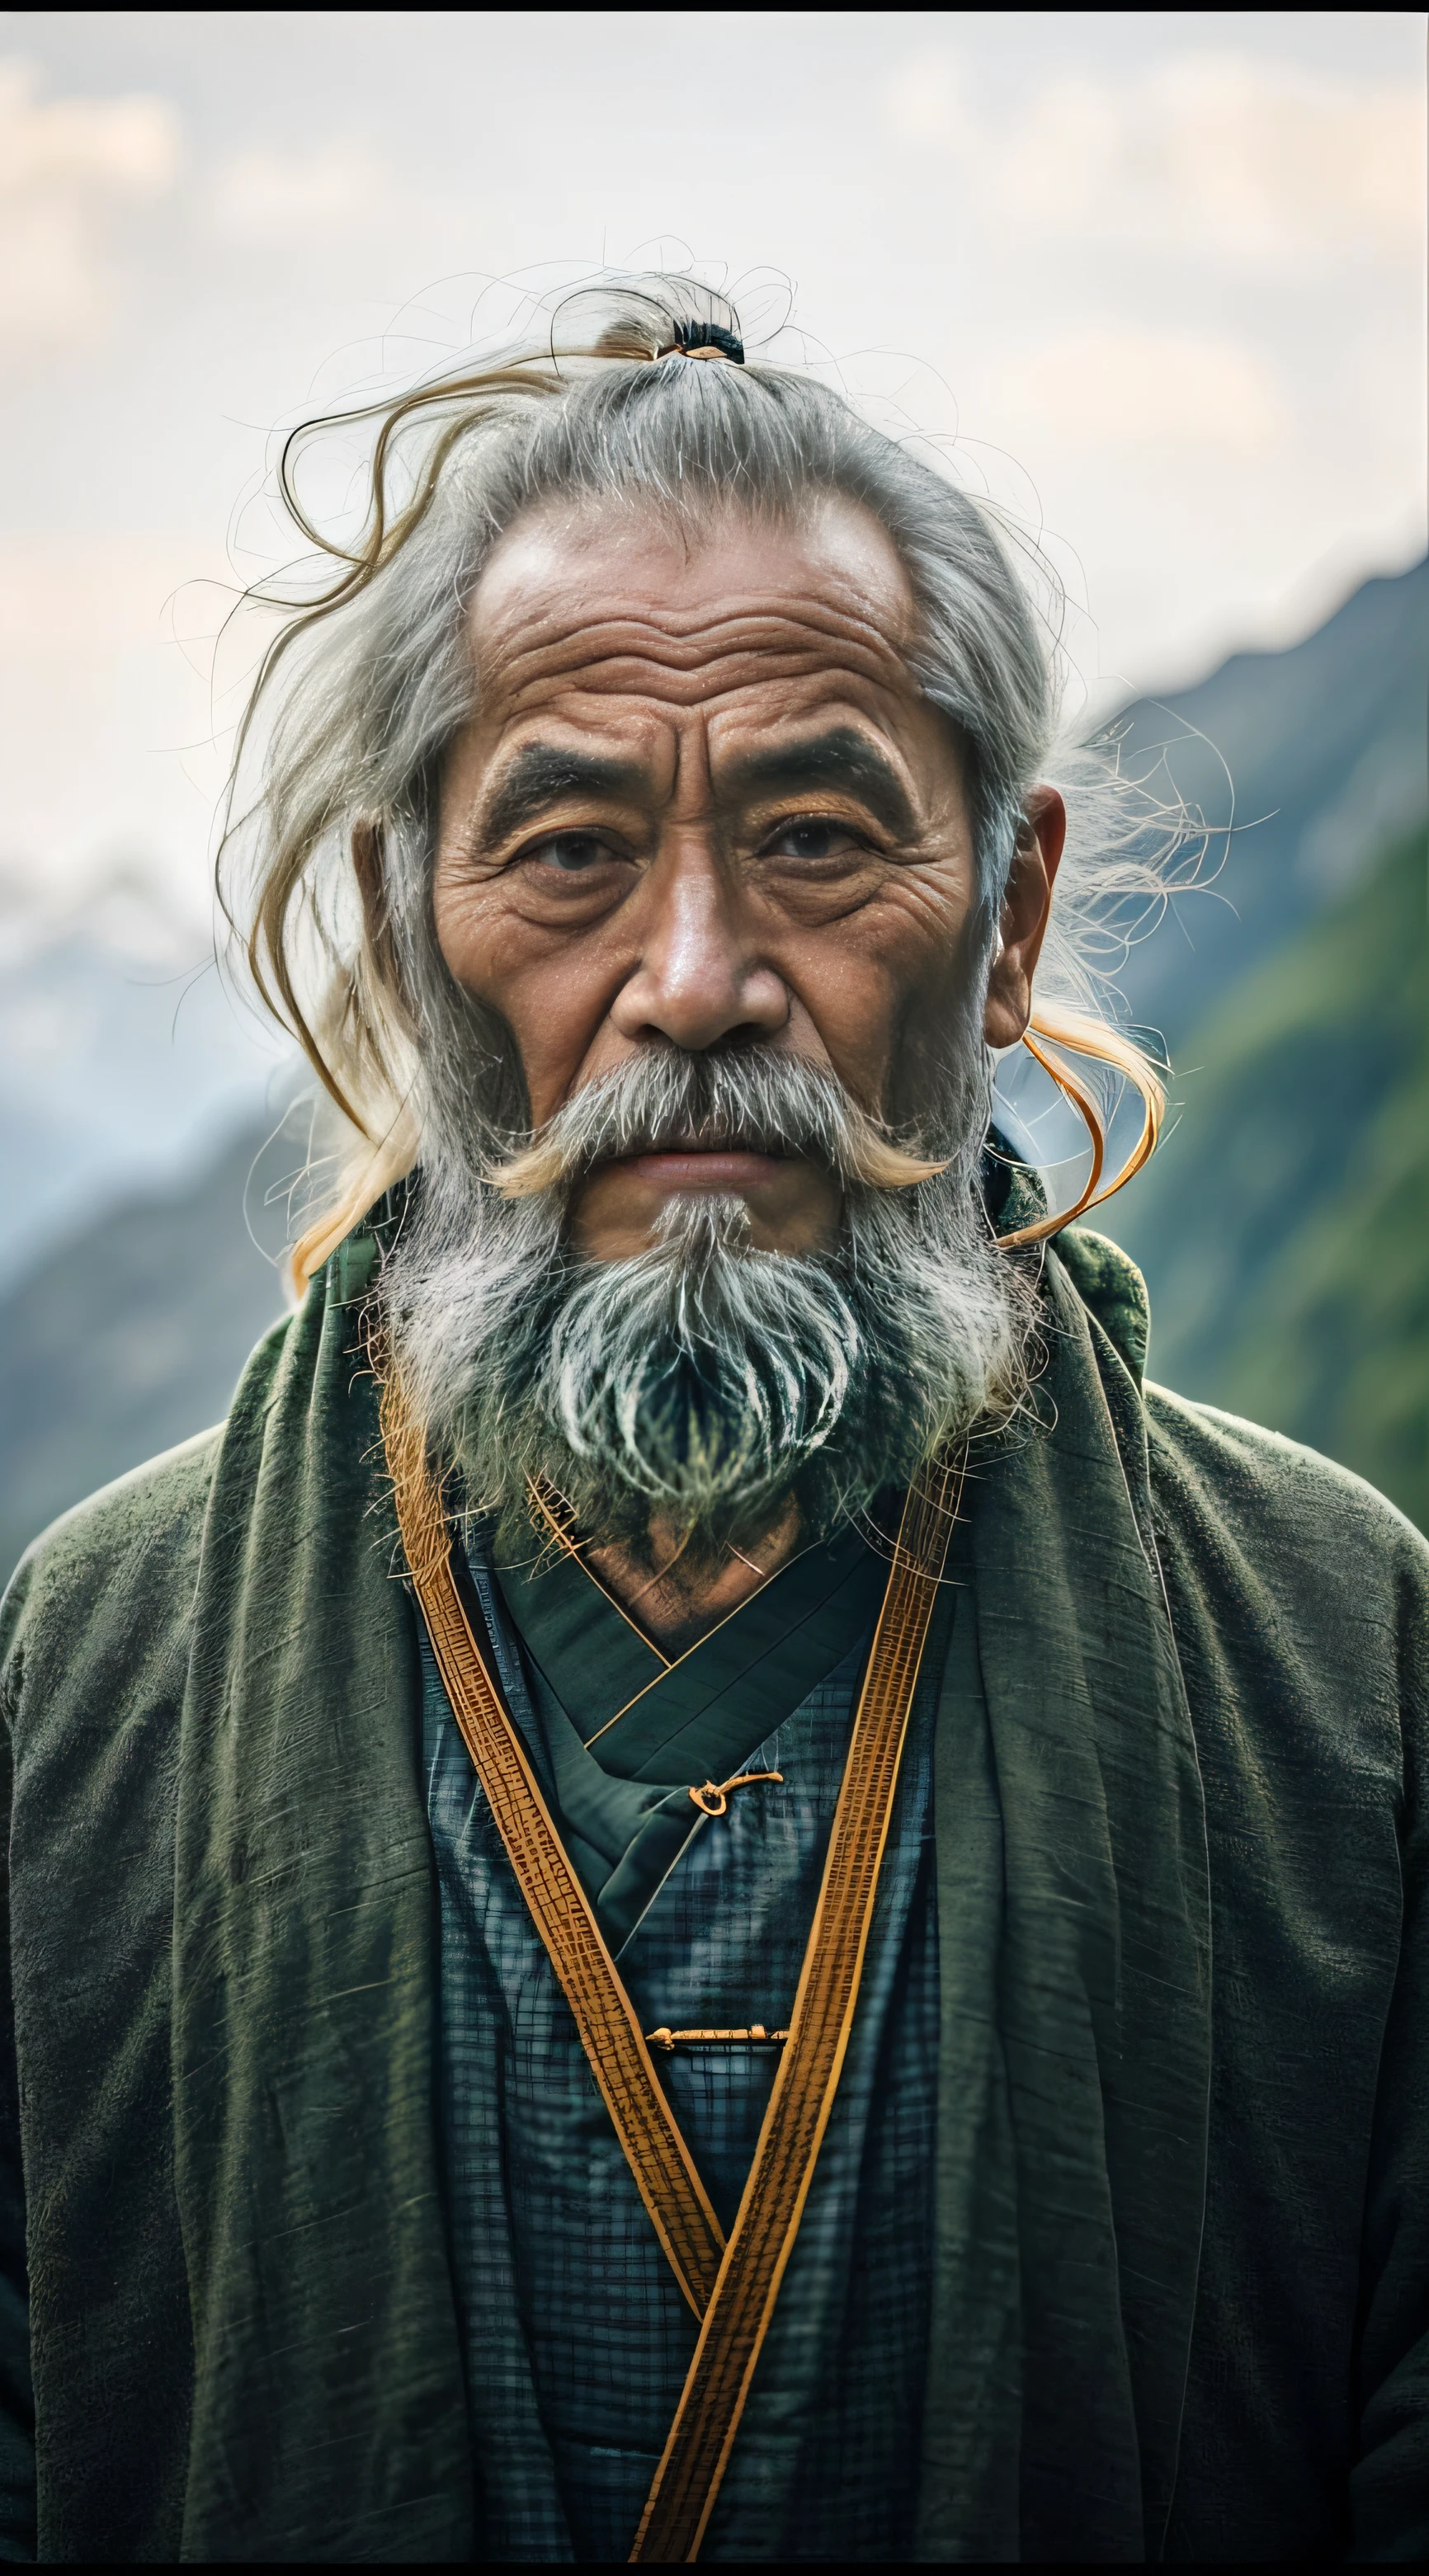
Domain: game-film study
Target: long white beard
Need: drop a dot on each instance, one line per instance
(704, 1380)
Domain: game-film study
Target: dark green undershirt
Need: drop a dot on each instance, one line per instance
(621, 1789)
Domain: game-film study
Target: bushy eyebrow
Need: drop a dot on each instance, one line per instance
(541, 774)
(839, 758)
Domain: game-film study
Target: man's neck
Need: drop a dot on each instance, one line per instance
(676, 1597)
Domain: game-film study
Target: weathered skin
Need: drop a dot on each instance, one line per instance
(692, 897)
(686, 891)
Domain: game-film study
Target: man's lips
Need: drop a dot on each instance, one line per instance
(688, 1167)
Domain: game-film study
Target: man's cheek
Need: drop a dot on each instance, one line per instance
(862, 988)
(487, 943)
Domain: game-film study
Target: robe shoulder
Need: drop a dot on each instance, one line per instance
(1307, 1524)
(1299, 1598)
(106, 1593)
(1278, 1504)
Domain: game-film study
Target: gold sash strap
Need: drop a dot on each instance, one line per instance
(610, 2034)
(707, 2419)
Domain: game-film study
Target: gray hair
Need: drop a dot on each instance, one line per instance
(364, 691)
(700, 1382)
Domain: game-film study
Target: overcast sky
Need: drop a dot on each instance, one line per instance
(1162, 272)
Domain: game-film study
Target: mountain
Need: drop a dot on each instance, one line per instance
(1305, 764)
(125, 1061)
(1284, 1225)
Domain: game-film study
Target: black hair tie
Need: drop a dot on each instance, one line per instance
(703, 340)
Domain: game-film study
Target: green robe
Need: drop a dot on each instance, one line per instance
(1182, 2274)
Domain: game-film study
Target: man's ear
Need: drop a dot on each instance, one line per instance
(1026, 908)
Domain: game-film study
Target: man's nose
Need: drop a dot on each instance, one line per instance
(700, 979)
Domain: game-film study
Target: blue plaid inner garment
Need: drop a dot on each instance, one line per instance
(577, 2340)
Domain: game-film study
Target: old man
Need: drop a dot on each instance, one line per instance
(706, 1887)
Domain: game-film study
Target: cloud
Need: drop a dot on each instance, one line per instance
(266, 195)
(922, 100)
(66, 166)
(1254, 161)
(1262, 164)
(1116, 386)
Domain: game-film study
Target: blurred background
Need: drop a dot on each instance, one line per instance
(1156, 280)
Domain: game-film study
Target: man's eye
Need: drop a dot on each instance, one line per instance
(570, 854)
(810, 838)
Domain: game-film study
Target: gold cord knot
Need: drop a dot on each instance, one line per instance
(712, 1797)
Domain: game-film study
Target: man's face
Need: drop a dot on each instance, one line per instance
(702, 805)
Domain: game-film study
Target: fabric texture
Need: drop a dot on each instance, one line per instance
(1178, 2293)
(578, 2340)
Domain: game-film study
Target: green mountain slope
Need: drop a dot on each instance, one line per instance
(1318, 755)
(1284, 1225)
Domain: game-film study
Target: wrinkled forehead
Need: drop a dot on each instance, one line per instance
(620, 602)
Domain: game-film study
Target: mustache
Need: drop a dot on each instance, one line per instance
(758, 1100)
